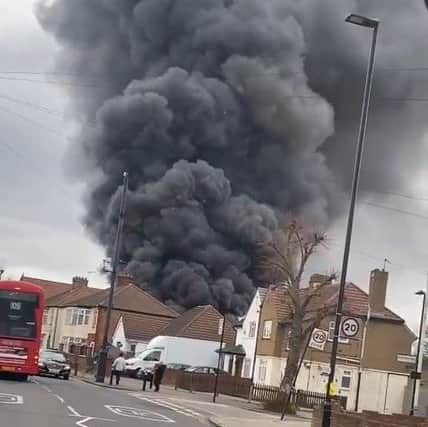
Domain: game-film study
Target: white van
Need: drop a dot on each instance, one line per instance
(175, 350)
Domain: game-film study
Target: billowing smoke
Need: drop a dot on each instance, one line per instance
(223, 114)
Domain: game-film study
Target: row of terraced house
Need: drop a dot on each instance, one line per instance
(76, 312)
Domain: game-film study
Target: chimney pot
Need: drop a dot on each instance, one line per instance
(78, 282)
(377, 290)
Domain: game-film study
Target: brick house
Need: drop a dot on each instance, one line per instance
(75, 313)
(375, 352)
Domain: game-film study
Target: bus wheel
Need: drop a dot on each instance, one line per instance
(23, 377)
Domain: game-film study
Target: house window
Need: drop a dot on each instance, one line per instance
(331, 334)
(267, 329)
(252, 329)
(346, 379)
(262, 371)
(133, 348)
(77, 316)
(246, 372)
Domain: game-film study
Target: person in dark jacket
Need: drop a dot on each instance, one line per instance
(147, 377)
(158, 375)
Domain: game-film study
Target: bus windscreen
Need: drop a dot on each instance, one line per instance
(18, 315)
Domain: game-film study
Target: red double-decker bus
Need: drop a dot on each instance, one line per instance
(21, 313)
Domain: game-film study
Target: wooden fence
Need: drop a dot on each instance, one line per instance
(302, 398)
(227, 384)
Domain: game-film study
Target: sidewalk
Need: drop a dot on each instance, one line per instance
(250, 422)
(228, 411)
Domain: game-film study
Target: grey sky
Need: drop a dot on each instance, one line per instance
(40, 208)
(40, 213)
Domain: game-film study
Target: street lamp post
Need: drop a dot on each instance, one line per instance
(419, 353)
(102, 356)
(374, 25)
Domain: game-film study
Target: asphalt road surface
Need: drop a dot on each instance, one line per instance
(48, 402)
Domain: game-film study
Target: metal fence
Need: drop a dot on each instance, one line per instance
(301, 398)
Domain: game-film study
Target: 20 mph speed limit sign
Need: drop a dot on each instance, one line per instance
(350, 327)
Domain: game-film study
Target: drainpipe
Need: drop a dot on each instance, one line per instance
(253, 368)
(360, 369)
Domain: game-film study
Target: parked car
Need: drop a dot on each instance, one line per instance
(54, 363)
(173, 350)
(177, 366)
(205, 370)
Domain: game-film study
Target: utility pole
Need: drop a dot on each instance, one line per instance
(419, 356)
(102, 357)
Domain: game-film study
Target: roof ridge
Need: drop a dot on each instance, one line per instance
(155, 299)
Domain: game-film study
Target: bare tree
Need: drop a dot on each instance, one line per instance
(283, 261)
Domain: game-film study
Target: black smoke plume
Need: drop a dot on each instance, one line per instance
(223, 114)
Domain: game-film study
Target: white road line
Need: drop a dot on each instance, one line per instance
(81, 423)
(11, 399)
(45, 387)
(59, 398)
(74, 413)
(191, 411)
(143, 414)
(175, 408)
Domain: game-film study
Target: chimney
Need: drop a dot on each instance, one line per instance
(124, 279)
(79, 282)
(318, 279)
(377, 290)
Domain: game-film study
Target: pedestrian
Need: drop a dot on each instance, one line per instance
(118, 368)
(158, 374)
(147, 377)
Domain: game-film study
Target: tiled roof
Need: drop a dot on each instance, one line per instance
(50, 287)
(201, 322)
(355, 303)
(143, 327)
(72, 296)
(130, 298)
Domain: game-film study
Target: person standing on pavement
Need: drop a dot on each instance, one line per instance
(158, 375)
(118, 368)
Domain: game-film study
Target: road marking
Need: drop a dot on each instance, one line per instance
(143, 414)
(191, 411)
(11, 399)
(81, 423)
(59, 398)
(174, 407)
(45, 387)
(74, 413)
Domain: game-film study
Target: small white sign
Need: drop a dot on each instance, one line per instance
(350, 327)
(318, 339)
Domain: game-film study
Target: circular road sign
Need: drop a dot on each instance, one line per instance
(319, 336)
(350, 327)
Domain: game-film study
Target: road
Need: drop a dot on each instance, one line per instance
(48, 402)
